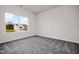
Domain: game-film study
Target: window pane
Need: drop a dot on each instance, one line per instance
(23, 20)
(23, 23)
(10, 20)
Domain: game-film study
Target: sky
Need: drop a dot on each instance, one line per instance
(16, 19)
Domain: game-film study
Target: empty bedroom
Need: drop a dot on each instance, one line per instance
(39, 29)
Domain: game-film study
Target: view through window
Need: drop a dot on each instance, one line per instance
(16, 23)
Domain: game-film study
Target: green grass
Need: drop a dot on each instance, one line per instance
(9, 30)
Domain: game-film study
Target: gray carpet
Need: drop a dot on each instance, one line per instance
(39, 45)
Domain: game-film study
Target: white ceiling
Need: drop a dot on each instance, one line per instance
(38, 8)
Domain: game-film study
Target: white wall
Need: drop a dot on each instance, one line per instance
(60, 23)
(4, 37)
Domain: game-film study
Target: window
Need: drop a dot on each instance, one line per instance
(16, 23)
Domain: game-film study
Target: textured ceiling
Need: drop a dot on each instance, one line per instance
(38, 8)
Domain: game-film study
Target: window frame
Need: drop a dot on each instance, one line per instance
(27, 24)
